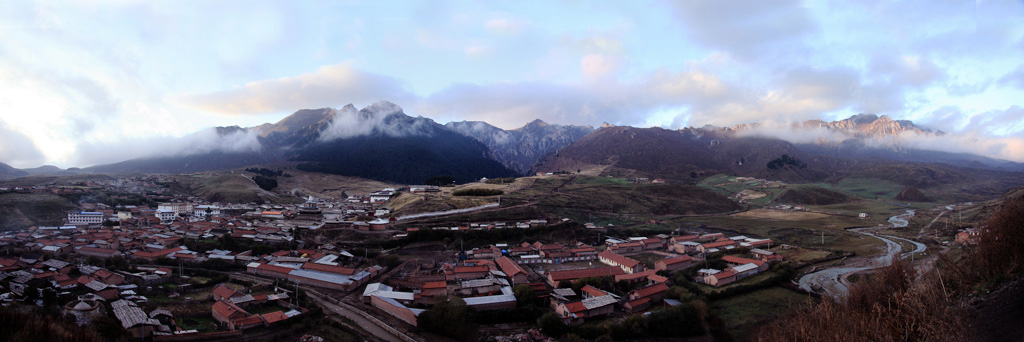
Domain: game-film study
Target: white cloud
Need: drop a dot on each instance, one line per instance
(328, 86)
(506, 26)
(18, 150)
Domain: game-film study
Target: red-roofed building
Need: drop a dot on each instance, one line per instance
(626, 264)
(97, 252)
(674, 264)
(704, 247)
(627, 248)
(434, 288)
(720, 279)
(736, 261)
(223, 292)
(634, 277)
(228, 314)
(556, 277)
(150, 256)
(589, 291)
(328, 268)
(274, 317)
(271, 271)
(516, 273)
(466, 272)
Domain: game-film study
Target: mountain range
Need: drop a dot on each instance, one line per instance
(381, 142)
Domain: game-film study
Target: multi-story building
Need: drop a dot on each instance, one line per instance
(85, 217)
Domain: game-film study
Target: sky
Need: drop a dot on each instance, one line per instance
(92, 82)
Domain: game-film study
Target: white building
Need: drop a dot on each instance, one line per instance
(85, 217)
(177, 208)
(165, 215)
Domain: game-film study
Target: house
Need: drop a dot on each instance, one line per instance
(394, 308)
(627, 248)
(554, 278)
(733, 260)
(233, 317)
(466, 272)
(505, 300)
(674, 264)
(652, 243)
(635, 277)
(516, 273)
(433, 289)
(626, 264)
(715, 277)
(712, 247)
(587, 308)
(222, 292)
(134, 319)
(645, 297)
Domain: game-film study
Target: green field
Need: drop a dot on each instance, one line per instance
(744, 313)
(202, 324)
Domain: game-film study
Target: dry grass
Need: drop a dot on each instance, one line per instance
(897, 305)
(781, 215)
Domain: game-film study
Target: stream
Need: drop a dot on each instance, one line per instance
(829, 281)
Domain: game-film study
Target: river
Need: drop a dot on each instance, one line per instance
(830, 282)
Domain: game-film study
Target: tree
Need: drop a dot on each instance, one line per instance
(449, 318)
(551, 324)
(525, 296)
(265, 183)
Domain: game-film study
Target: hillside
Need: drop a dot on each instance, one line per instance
(24, 210)
(228, 188)
(576, 194)
(812, 195)
(8, 172)
(911, 194)
(692, 154)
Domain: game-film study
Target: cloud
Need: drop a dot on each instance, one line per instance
(749, 29)
(506, 26)
(328, 86)
(374, 119)
(974, 136)
(218, 139)
(18, 150)
(597, 67)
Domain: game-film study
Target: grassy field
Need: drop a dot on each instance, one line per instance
(744, 313)
(202, 324)
(610, 195)
(229, 187)
(803, 230)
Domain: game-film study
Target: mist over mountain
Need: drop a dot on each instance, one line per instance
(689, 155)
(519, 149)
(381, 142)
(876, 137)
(378, 142)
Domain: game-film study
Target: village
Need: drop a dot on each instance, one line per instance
(245, 262)
(187, 269)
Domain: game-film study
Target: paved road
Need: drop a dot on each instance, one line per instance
(361, 321)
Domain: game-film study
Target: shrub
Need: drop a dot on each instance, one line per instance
(477, 192)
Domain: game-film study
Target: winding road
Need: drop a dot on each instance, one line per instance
(833, 281)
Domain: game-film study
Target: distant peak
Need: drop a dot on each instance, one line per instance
(606, 125)
(348, 107)
(863, 118)
(537, 122)
(384, 107)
